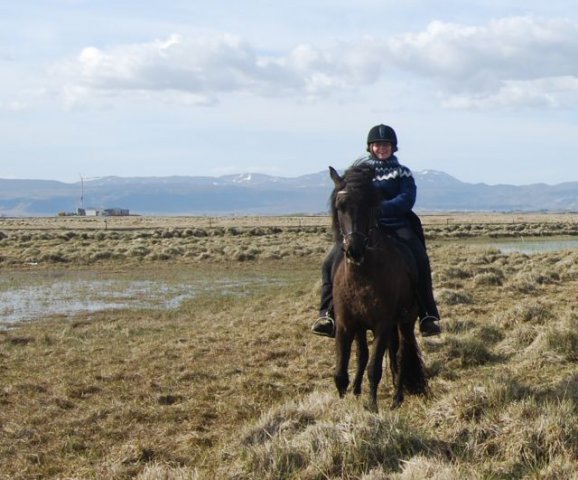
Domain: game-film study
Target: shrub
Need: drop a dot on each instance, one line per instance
(54, 257)
(454, 297)
(489, 279)
(455, 272)
(67, 235)
(563, 340)
(468, 350)
(533, 312)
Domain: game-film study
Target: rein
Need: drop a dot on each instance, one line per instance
(366, 240)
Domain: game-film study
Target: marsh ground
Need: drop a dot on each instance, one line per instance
(233, 385)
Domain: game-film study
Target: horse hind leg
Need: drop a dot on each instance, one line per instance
(362, 359)
(398, 396)
(396, 376)
(392, 353)
(412, 376)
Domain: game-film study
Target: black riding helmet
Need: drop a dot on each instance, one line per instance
(382, 133)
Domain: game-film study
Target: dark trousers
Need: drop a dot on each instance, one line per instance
(424, 289)
(327, 271)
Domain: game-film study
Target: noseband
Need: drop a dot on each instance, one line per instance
(350, 235)
(356, 216)
(364, 240)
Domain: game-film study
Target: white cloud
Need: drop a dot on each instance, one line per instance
(555, 92)
(202, 68)
(510, 62)
(507, 63)
(198, 67)
(13, 106)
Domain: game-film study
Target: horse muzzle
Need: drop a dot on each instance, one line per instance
(354, 260)
(354, 247)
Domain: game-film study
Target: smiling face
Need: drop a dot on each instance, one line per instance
(381, 150)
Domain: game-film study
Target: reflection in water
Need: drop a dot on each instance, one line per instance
(34, 295)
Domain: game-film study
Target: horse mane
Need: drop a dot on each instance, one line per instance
(357, 181)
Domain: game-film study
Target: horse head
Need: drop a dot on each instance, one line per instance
(353, 207)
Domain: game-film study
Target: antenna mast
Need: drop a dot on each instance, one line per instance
(81, 192)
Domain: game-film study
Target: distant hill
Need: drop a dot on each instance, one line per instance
(253, 193)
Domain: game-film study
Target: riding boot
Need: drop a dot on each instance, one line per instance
(325, 324)
(428, 311)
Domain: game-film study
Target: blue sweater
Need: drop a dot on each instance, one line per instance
(398, 190)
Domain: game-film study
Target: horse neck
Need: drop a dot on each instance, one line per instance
(382, 250)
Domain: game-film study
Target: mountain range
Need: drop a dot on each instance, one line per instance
(261, 194)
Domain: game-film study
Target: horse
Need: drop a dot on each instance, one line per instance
(373, 289)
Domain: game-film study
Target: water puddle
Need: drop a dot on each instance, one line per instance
(531, 245)
(26, 296)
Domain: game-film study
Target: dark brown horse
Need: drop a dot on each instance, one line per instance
(372, 290)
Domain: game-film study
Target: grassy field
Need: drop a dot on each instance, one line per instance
(78, 241)
(232, 385)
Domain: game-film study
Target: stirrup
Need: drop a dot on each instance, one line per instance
(324, 326)
(428, 326)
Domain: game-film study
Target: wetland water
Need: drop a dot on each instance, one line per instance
(530, 245)
(35, 294)
(32, 295)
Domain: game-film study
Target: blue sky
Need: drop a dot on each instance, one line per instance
(486, 91)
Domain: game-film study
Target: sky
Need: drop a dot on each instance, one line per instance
(483, 90)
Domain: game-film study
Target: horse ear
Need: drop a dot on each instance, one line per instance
(335, 176)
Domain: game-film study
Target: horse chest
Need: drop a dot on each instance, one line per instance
(359, 295)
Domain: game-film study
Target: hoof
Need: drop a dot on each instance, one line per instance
(371, 406)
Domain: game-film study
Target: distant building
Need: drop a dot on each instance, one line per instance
(103, 212)
(115, 212)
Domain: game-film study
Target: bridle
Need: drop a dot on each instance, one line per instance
(359, 238)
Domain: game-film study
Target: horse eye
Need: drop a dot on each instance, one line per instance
(342, 206)
(341, 201)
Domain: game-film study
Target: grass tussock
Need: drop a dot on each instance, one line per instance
(321, 437)
(234, 386)
(105, 240)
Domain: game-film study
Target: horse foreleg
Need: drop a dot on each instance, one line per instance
(375, 368)
(362, 358)
(343, 341)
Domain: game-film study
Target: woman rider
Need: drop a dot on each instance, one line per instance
(398, 189)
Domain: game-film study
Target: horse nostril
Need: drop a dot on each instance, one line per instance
(355, 256)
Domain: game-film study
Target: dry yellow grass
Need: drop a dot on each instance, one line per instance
(230, 386)
(137, 240)
(136, 223)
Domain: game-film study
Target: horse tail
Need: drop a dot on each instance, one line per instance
(412, 374)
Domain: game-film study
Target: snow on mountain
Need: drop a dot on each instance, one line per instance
(254, 193)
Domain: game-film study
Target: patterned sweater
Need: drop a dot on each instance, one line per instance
(397, 187)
